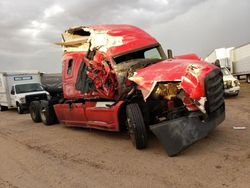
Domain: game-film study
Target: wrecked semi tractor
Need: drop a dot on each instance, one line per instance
(117, 77)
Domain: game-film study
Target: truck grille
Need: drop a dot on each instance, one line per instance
(35, 97)
(214, 91)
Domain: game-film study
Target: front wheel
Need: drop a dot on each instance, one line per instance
(136, 126)
(3, 108)
(47, 113)
(248, 79)
(20, 109)
(34, 110)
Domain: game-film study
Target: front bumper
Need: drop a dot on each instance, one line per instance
(232, 91)
(24, 105)
(176, 135)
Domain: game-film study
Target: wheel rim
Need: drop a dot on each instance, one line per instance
(18, 109)
(43, 114)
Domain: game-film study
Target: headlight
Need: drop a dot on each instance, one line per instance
(236, 82)
(48, 97)
(227, 84)
(22, 100)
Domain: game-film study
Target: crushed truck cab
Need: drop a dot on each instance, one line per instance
(117, 77)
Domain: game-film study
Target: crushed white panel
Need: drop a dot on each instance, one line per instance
(239, 128)
(99, 39)
(102, 41)
(201, 105)
(104, 104)
(81, 48)
(151, 90)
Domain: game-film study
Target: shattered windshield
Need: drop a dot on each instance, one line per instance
(25, 88)
(147, 53)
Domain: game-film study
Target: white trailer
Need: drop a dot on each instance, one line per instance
(17, 89)
(222, 54)
(240, 61)
(237, 59)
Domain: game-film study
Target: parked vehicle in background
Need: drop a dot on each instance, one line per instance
(52, 82)
(235, 59)
(231, 84)
(221, 54)
(18, 89)
(117, 77)
(240, 61)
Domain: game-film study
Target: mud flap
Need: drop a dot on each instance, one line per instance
(176, 135)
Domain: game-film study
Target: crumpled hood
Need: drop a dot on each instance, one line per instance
(190, 74)
(229, 78)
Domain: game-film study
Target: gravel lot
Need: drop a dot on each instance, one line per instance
(33, 155)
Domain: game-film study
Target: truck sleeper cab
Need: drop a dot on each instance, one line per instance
(117, 77)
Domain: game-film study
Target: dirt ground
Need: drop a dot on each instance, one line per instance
(33, 155)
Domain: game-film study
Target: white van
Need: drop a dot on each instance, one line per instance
(18, 89)
(231, 84)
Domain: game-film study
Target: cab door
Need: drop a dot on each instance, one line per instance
(70, 69)
(13, 97)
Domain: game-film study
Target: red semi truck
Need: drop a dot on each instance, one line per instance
(117, 77)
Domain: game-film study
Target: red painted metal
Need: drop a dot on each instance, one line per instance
(188, 70)
(133, 38)
(69, 79)
(191, 74)
(188, 56)
(89, 115)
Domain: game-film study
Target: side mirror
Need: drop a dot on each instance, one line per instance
(12, 92)
(217, 63)
(170, 54)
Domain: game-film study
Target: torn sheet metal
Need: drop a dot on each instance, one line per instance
(101, 40)
(189, 75)
(96, 39)
(167, 90)
(111, 39)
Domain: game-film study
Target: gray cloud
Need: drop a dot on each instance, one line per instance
(29, 28)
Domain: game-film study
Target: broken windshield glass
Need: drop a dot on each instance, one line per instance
(147, 53)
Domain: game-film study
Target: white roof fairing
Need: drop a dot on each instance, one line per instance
(98, 39)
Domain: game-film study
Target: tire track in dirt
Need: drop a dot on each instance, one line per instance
(4, 183)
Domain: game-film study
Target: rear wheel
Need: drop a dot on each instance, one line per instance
(47, 113)
(136, 126)
(248, 78)
(20, 109)
(34, 110)
(3, 108)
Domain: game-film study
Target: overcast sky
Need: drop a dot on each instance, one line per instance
(29, 28)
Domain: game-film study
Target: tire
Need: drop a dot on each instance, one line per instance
(34, 110)
(136, 126)
(47, 113)
(20, 109)
(248, 78)
(3, 108)
(236, 94)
